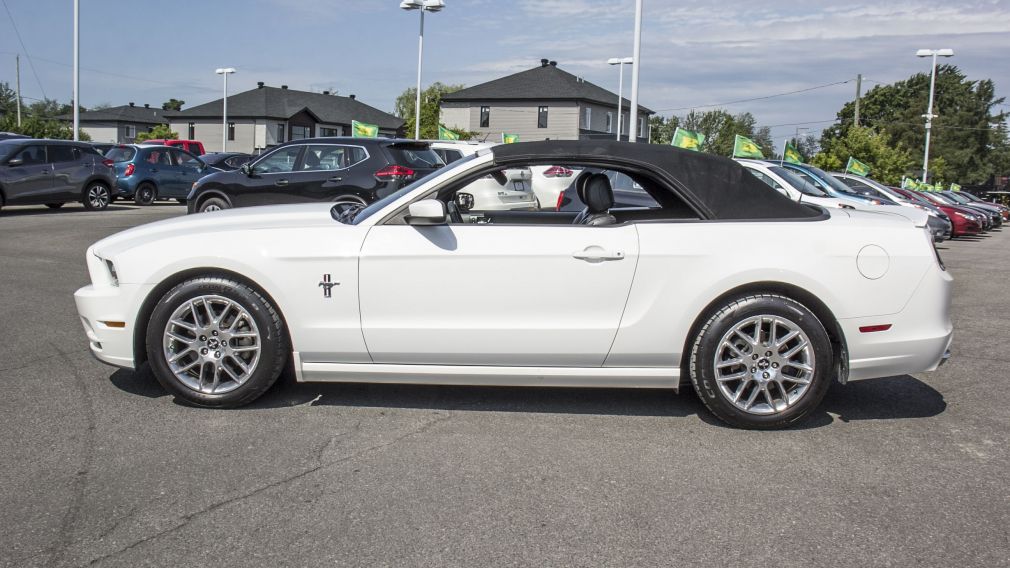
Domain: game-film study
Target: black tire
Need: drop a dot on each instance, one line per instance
(146, 194)
(214, 204)
(709, 342)
(97, 197)
(54, 205)
(274, 346)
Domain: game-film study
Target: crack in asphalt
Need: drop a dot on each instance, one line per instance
(320, 453)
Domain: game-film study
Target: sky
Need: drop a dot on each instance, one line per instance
(694, 54)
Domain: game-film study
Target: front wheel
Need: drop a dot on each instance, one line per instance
(762, 362)
(215, 342)
(145, 195)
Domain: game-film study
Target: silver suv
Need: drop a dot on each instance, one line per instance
(54, 172)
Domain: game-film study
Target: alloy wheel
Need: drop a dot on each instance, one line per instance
(98, 196)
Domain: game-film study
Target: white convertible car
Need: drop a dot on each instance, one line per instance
(756, 300)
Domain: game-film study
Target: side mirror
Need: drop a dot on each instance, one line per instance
(426, 212)
(15, 162)
(464, 201)
(246, 169)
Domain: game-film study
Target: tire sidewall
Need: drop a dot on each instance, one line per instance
(139, 198)
(273, 341)
(707, 345)
(214, 200)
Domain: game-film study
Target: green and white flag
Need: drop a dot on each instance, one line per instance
(955, 187)
(907, 183)
(687, 140)
(507, 138)
(446, 134)
(364, 130)
(856, 167)
(744, 147)
(791, 154)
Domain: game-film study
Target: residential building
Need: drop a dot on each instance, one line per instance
(267, 116)
(119, 125)
(545, 102)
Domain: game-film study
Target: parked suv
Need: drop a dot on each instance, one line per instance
(340, 170)
(54, 172)
(146, 173)
(194, 147)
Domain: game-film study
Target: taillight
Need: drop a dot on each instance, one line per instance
(108, 163)
(561, 197)
(130, 168)
(558, 171)
(394, 173)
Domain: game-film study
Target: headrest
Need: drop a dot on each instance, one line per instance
(599, 195)
(580, 185)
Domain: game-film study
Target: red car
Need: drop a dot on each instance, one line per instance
(194, 147)
(964, 222)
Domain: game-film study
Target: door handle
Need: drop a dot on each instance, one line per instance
(335, 178)
(154, 170)
(281, 182)
(597, 254)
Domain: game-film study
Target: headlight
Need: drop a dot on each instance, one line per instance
(111, 267)
(963, 216)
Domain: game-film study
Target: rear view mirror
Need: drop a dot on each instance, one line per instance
(15, 162)
(426, 212)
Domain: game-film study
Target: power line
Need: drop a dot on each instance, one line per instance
(808, 89)
(25, 49)
(131, 77)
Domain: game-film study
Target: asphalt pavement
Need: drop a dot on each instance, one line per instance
(100, 467)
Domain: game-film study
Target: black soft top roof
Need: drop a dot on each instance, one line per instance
(717, 187)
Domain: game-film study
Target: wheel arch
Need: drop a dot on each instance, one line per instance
(149, 303)
(207, 194)
(839, 348)
(99, 179)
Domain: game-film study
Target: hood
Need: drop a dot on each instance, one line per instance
(246, 218)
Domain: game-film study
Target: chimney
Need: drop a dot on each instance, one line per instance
(284, 86)
(259, 84)
(326, 92)
(131, 104)
(147, 105)
(544, 62)
(352, 97)
(554, 63)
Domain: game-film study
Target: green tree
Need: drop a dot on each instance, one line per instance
(39, 127)
(431, 100)
(888, 161)
(172, 104)
(662, 129)
(721, 128)
(159, 132)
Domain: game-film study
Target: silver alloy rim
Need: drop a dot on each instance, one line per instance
(212, 344)
(98, 196)
(764, 364)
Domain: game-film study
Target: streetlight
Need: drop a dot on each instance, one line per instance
(934, 53)
(637, 54)
(224, 111)
(423, 6)
(620, 89)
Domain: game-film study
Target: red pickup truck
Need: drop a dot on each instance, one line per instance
(194, 147)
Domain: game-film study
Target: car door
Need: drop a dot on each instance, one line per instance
(487, 294)
(29, 177)
(69, 171)
(270, 179)
(327, 173)
(188, 169)
(161, 168)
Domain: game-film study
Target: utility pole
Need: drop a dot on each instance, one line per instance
(17, 72)
(859, 93)
(77, 70)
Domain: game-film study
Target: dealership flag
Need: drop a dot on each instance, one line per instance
(363, 130)
(955, 187)
(907, 183)
(687, 140)
(856, 167)
(446, 134)
(791, 154)
(507, 138)
(744, 147)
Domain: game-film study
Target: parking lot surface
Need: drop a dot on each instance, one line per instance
(101, 467)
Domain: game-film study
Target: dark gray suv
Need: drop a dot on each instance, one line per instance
(54, 172)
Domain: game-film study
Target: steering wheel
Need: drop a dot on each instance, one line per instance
(453, 211)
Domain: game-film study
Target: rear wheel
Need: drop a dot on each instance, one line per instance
(146, 194)
(762, 362)
(54, 205)
(214, 204)
(96, 197)
(216, 342)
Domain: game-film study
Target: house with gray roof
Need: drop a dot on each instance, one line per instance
(267, 116)
(119, 125)
(545, 102)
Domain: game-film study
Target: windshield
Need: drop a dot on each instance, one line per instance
(417, 157)
(121, 153)
(7, 149)
(834, 183)
(798, 182)
(367, 212)
(957, 198)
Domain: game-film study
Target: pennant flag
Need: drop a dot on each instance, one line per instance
(907, 183)
(363, 130)
(955, 187)
(687, 140)
(446, 134)
(791, 154)
(744, 147)
(509, 138)
(856, 167)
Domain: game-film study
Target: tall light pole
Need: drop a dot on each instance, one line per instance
(620, 89)
(637, 55)
(423, 6)
(224, 107)
(77, 69)
(934, 53)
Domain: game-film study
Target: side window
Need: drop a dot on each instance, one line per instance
(236, 161)
(186, 160)
(542, 117)
(769, 181)
(331, 157)
(59, 153)
(32, 155)
(281, 161)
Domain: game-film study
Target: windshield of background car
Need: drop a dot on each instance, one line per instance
(121, 154)
(6, 150)
(420, 157)
(834, 183)
(379, 205)
(801, 184)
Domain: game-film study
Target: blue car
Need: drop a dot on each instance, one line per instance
(829, 184)
(146, 173)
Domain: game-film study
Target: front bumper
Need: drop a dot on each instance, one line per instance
(99, 309)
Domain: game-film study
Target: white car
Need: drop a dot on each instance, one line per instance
(758, 301)
(550, 181)
(509, 189)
